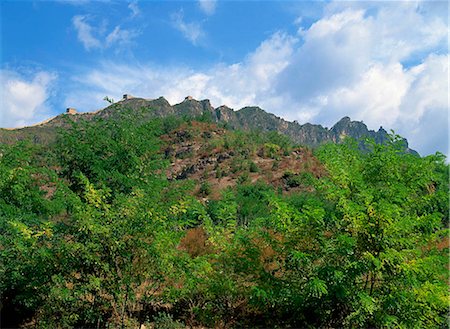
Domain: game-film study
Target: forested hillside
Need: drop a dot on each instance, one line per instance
(177, 222)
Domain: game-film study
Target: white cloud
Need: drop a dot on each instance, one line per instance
(335, 51)
(191, 31)
(208, 6)
(413, 102)
(134, 8)
(424, 108)
(342, 46)
(399, 29)
(375, 97)
(85, 33)
(352, 62)
(96, 37)
(119, 36)
(24, 99)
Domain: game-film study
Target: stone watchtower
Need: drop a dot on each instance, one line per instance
(71, 110)
(127, 97)
(188, 98)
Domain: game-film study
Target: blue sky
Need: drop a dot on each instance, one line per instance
(384, 63)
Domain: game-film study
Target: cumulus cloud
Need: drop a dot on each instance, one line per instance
(424, 108)
(95, 37)
(341, 47)
(24, 99)
(334, 52)
(400, 29)
(208, 6)
(356, 61)
(191, 31)
(411, 101)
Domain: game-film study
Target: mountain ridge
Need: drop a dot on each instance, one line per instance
(246, 118)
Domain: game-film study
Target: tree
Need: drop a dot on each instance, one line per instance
(386, 203)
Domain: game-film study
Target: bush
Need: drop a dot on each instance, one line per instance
(244, 178)
(205, 188)
(295, 180)
(166, 321)
(271, 150)
(253, 167)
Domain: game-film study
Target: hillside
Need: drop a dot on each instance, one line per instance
(147, 215)
(247, 118)
(216, 159)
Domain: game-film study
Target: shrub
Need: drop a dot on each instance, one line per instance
(244, 178)
(271, 150)
(166, 321)
(294, 180)
(205, 189)
(253, 167)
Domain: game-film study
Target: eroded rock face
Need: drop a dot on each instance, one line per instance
(223, 156)
(187, 171)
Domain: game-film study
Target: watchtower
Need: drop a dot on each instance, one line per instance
(71, 110)
(127, 97)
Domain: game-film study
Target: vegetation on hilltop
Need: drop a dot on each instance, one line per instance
(118, 224)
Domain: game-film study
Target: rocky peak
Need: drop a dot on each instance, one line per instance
(194, 108)
(346, 127)
(247, 118)
(207, 104)
(226, 115)
(381, 130)
(160, 101)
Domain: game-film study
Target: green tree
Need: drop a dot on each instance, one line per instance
(387, 205)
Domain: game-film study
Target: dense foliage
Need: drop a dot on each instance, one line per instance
(94, 235)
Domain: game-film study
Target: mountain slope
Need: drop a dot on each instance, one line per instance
(247, 118)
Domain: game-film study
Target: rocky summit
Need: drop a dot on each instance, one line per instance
(248, 118)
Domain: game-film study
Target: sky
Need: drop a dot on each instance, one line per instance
(383, 63)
